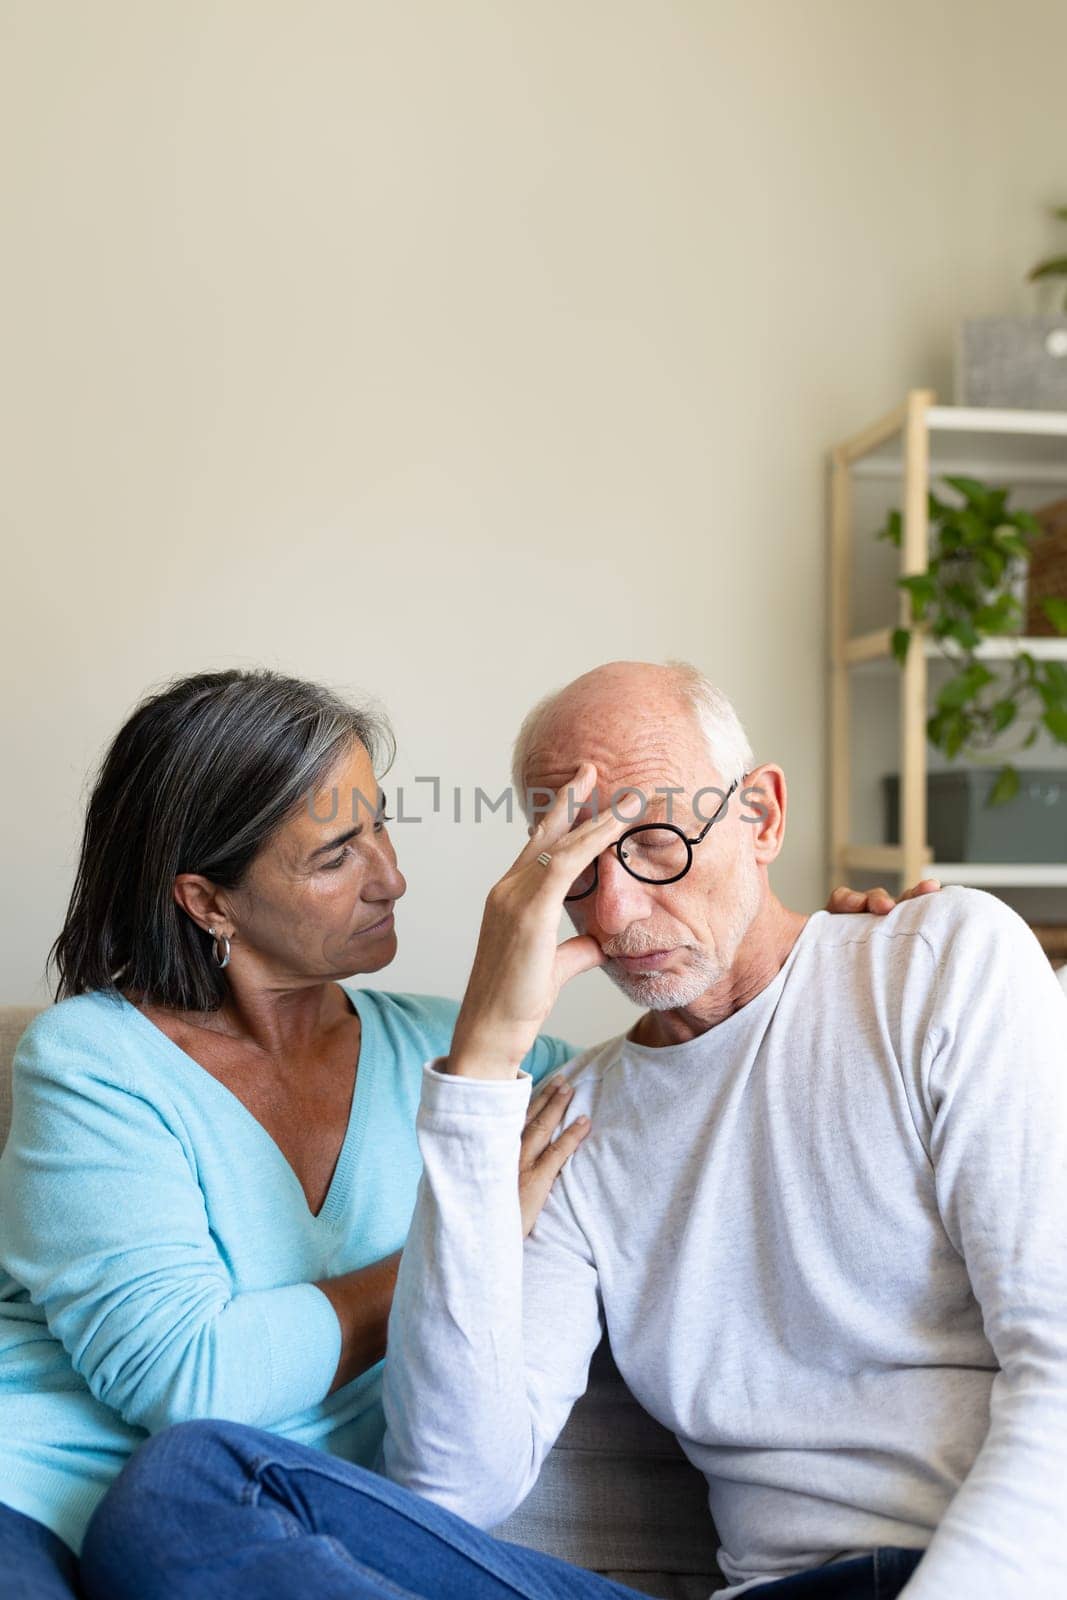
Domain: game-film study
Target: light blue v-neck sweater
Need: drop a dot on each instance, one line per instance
(157, 1254)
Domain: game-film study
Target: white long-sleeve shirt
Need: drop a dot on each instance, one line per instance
(828, 1239)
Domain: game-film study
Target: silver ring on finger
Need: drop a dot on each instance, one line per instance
(545, 859)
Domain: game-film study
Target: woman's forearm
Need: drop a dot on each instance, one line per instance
(362, 1300)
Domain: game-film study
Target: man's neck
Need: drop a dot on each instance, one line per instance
(760, 957)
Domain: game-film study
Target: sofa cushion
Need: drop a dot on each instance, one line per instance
(617, 1494)
(14, 1020)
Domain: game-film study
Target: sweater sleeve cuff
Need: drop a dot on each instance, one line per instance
(448, 1094)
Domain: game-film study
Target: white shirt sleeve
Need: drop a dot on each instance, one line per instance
(489, 1345)
(996, 1092)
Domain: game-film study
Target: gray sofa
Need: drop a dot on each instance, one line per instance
(616, 1494)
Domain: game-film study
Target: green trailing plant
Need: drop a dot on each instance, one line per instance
(963, 598)
(1053, 266)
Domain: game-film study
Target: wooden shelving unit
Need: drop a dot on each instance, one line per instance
(916, 443)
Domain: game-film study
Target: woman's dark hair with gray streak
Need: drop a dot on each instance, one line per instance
(197, 780)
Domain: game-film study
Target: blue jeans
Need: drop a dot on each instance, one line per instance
(879, 1576)
(218, 1511)
(34, 1563)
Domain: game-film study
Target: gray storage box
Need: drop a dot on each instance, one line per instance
(1018, 363)
(960, 825)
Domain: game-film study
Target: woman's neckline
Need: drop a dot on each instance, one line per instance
(334, 1199)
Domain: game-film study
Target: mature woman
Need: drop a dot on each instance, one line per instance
(212, 1162)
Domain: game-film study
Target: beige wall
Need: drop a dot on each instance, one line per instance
(441, 349)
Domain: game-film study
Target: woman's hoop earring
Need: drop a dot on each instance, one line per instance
(225, 950)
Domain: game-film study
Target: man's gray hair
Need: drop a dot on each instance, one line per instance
(723, 733)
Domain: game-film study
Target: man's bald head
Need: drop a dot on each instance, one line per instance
(634, 713)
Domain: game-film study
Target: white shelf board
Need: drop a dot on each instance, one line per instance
(1015, 447)
(977, 874)
(988, 419)
(1000, 874)
(1006, 646)
(877, 650)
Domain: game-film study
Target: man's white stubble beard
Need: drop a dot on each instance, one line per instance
(666, 991)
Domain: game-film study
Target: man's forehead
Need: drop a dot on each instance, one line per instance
(656, 761)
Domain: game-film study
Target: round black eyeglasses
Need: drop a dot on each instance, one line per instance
(653, 852)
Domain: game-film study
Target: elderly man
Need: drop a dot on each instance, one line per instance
(820, 1201)
(819, 1204)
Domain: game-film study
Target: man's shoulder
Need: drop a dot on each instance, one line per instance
(956, 915)
(944, 949)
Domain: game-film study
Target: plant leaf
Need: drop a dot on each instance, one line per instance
(1054, 267)
(973, 526)
(992, 563)
(1055, 720)
(1056, 612)
(893, 529)
(954, 694)
(962, 631)
(947, 729)
(922, 589)
(997, 619)
(1005, 788)
(901, 640)
(963, 595)
(975, 493)
(956, 729)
